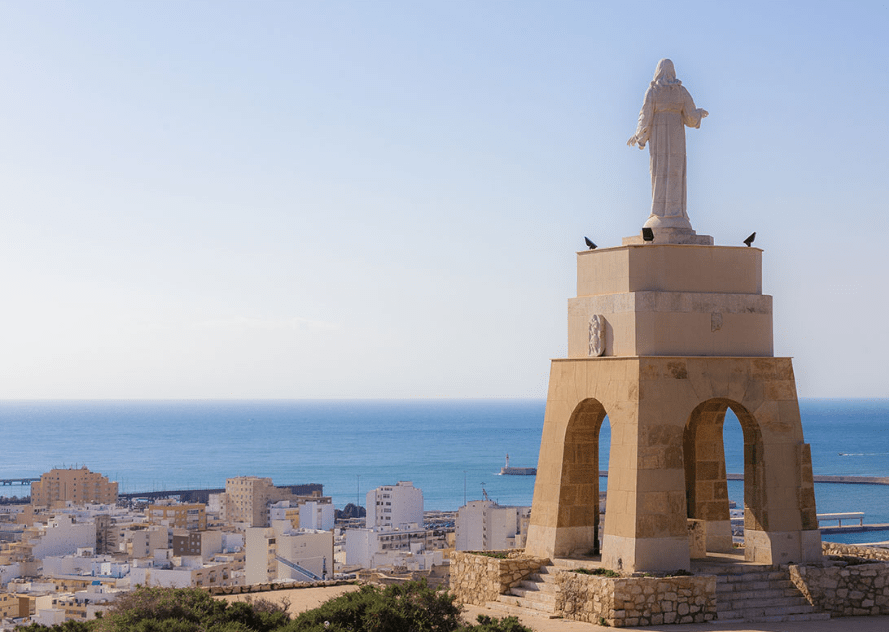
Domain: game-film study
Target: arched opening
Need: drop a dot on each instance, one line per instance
(604, 454)
(580, 500)
(706, 484)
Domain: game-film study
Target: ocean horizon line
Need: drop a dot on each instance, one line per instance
(343, 398)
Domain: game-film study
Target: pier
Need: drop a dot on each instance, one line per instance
(203, 495)
(17, 481)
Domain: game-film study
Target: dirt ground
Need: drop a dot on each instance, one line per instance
(301, 599)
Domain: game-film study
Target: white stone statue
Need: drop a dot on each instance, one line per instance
(667, 109)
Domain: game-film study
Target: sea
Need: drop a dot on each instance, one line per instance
(451, 449)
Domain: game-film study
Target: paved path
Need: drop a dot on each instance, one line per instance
(844, 624)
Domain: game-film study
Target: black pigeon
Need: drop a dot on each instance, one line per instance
(591, 245)
(647, 234)
(750, 239)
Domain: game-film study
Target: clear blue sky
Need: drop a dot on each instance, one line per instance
(383, 199)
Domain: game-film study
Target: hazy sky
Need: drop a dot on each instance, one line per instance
(384, 199)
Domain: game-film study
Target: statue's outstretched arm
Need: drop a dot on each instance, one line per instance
(691, 115)
(643, 128)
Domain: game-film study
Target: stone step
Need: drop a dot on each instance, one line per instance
(814, 616)
(789, 602)
(771, 583)
(534, 595)
(547, 587)
(528, 604)
(543, 578)
(750, 613)
(516, 611)
(745, 592)
(758, 596)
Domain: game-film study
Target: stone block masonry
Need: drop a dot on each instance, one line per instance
(854, 583)
(617, 601)
(477, 578)
(636, 601)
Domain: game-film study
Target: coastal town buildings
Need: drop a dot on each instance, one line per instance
(315, 513)
(78, 486)
(63, 559)
(283, 553)
(409, 545)
(394, 505)
(180, 516)
(248, 499)
(483, 525)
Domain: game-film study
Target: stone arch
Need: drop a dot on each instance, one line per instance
(579, 493)
(705, 474)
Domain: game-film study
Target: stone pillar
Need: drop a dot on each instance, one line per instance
(705, 477)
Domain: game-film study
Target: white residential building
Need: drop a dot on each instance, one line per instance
(63, 536)
(483, 525)
(280, 552)
(93, 565)
(304, 514)
(384, 546)
(394, 505)
(182, 572)
(143, 542)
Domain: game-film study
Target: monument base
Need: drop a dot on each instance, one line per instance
(666, 235)
(566, 541)
(719, 536)
(782, 547)
(659, 554)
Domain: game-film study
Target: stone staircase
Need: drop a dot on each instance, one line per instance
(763, 594)
(535, 595)
(743, 593)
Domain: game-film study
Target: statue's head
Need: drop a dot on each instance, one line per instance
(665, 74)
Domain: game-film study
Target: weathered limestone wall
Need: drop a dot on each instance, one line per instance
(636, 601)
(618, 601)
(864, 552)
(477, 578)
(857, 585)
(844, 589)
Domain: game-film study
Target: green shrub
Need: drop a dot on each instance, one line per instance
(487, 624)
(187, 610)
(604, 572)
(410, 606)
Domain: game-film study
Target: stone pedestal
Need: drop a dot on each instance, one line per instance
(687, 336)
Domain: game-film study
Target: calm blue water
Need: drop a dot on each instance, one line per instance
(443, 446)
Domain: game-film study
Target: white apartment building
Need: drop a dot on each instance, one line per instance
(483, 525)
(63, 536)
(182, 572)
(384, 546)
(304, 514)
(280, 552)
(143, 542)
(394, 505)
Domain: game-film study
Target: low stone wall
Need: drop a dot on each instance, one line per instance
(636, 601)
(854, 583)
(266, 587)
(854, 550)
(845, 589)
(477, 578)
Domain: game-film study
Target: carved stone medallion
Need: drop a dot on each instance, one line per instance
(597, 335)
